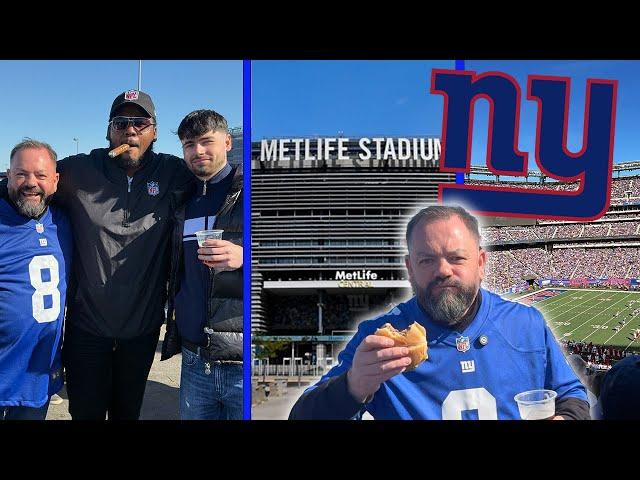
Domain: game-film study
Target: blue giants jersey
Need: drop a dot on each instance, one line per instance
(462, 378)
(35, 257)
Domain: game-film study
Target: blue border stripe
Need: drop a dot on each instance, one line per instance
(459, 66)
(246, 240)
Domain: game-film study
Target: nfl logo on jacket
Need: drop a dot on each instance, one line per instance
(153, 188)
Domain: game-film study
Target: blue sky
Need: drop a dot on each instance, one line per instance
(57, 101)
(362, 98)
(359, 98)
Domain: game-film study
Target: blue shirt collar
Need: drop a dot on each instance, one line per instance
(221, 175)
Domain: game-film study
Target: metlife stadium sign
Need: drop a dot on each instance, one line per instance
(343, 149)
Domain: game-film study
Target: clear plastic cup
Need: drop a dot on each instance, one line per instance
(203, 235)
(536, 404)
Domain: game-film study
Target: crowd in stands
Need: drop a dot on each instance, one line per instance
(597, 356)
(628, 226)
(508, 268)
(623, 190)
(611, 248)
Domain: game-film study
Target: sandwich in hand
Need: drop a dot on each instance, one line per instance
(414, 337)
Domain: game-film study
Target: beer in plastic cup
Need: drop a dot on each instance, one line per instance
(203, 235)
(536, 404)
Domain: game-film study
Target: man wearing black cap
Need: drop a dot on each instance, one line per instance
(120, 211)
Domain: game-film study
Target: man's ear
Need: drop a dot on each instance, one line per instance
(407, 263)
(482, 262)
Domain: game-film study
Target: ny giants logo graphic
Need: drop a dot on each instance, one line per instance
(468, 366)
(591, 166)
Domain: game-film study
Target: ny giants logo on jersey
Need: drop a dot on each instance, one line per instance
(590, 167)
(131, 95)
(153, 188)
(468, 366)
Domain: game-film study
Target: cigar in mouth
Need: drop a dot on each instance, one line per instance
(119, 150)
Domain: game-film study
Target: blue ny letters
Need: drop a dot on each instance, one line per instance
(591, 166)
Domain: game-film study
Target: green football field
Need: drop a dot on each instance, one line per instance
(590, 316)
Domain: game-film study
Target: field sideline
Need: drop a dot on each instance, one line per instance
(589, 315)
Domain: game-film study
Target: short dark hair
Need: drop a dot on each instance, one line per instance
(443, 212)
(200, 122)
(31, 143)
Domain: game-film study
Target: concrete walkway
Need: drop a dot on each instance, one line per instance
(277, 408)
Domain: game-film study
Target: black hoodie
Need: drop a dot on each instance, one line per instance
(121, 240)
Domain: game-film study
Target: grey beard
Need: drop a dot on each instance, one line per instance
(451, 306)
(29, 209)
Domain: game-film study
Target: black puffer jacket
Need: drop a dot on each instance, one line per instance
(225, 299)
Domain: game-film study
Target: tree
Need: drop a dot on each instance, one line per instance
(270, 349)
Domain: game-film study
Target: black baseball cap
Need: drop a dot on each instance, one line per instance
(136, 97)
(620, 391)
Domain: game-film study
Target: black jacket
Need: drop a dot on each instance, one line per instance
(121, 240)
(225, 288)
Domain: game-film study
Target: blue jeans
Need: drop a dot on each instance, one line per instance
(24, 413)
(217, 396)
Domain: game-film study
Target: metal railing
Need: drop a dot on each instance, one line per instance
(289, 370)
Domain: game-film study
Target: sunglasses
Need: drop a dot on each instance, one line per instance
(122, 123)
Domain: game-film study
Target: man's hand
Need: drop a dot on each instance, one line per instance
(221, 255)
(376, 360)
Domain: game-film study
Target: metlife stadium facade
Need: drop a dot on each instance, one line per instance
(328, 222)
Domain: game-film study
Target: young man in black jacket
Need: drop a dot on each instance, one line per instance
(205, 285)
(120, 211)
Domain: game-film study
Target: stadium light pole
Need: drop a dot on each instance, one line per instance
(77, 145)
(139, 75)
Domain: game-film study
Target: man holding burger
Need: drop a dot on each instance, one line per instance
(482, 350)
